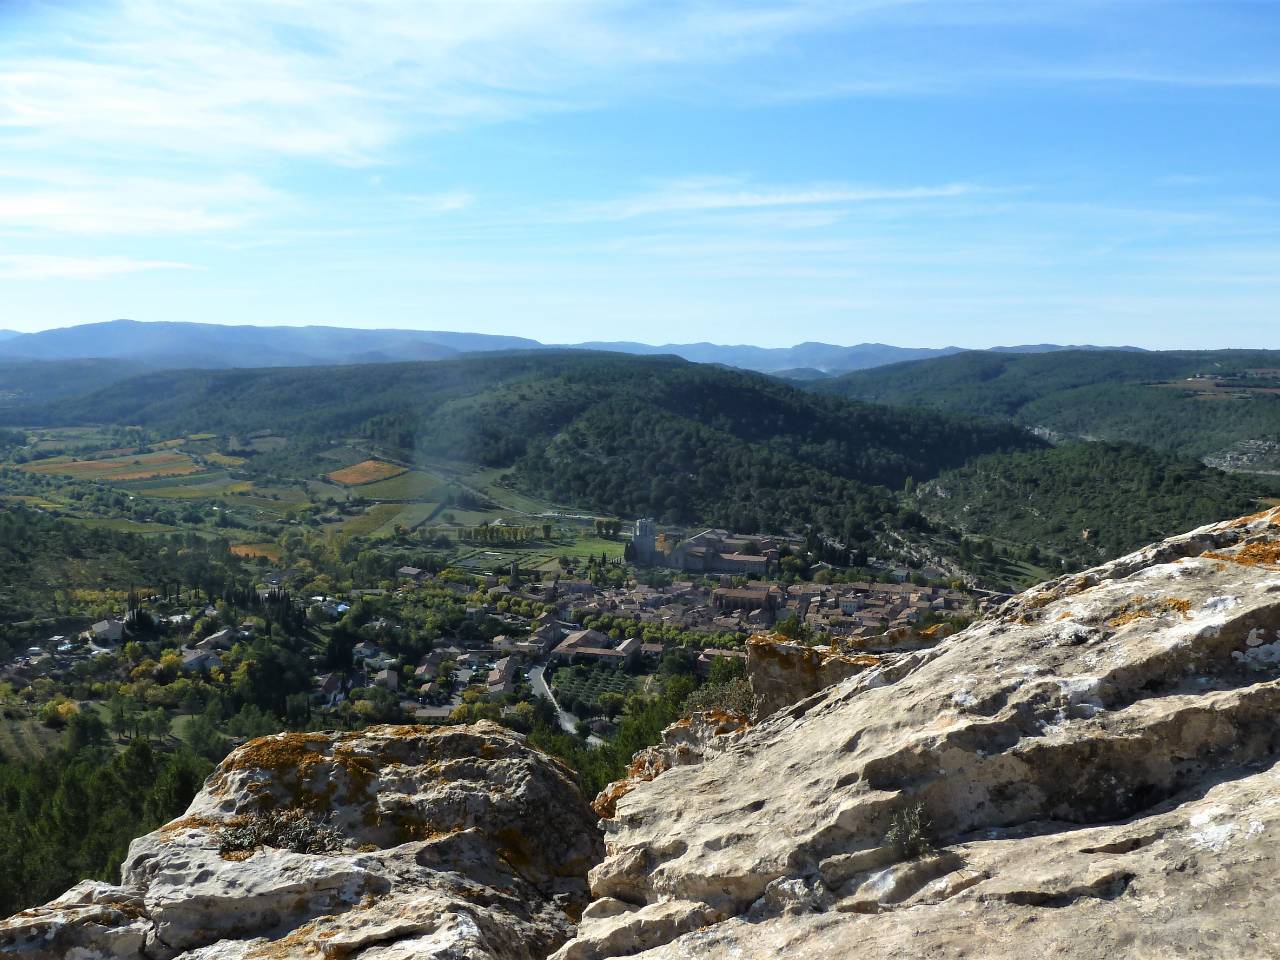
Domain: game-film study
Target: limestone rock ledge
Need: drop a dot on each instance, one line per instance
(1100, 761)
(449, 842)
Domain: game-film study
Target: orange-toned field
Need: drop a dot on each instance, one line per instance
(269, 550)
(367, 471)
(141, 467)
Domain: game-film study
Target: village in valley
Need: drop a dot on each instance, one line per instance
(572, 643)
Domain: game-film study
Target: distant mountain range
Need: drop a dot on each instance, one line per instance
(804, 359)
(212, 346)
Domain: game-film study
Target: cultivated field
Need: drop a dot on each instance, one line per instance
(144, 466)
(410, 485)
(587, 685)
(367, 471)
(271, 551)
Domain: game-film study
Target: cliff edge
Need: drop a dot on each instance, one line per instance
(1090, 772)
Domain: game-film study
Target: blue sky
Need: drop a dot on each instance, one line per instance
(919, 173)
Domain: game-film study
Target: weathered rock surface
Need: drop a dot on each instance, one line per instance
(1100, 760)
(449, 842)
(783, 672)
(687, 741)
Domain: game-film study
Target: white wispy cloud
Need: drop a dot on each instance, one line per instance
(31, 266)
(344, 82)
(699, 196)
(75, 203)
(439, 202)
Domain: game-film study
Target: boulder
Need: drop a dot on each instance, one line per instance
(1089, 772)
(393, 842)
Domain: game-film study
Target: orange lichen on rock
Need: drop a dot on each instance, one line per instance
(1144, 608)
(281, 753)
(1259, 554)
(1271, 515)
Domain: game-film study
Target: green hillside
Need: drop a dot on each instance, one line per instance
(1196, 403)
(618, 434)
(1085, 502)
(41, 555)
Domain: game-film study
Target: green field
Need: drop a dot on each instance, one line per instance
(368, 523)
(122, 525)
(486, 482)
(407, 515)
(212, 483)
(25, 739)
(537, 554)
(413, 485)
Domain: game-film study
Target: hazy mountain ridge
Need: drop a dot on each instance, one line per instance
(177, 345)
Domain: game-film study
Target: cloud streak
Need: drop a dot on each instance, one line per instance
(105, 206)
(31, 266)
(711, 196)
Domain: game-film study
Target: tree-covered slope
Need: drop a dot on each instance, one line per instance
(24, 382)
(1196, 403)
(1085, 502)
(625, 434)
(43, 557)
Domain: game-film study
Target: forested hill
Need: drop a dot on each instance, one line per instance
(1085, 502)
(1197, 403)
(43, 558)
(626, 434)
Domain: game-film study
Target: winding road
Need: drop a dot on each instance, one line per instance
(568, 721)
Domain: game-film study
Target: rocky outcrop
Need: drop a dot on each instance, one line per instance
(687, 741)
(390, 843)
(784, 671)
(1092, 771)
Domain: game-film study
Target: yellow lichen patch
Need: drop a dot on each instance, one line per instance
(1271, 515)
(1145, 608)
(282, 753)
(513, 847)
(299, 943)
(1260, 554)
(409, 828)
(1065, 615)
(1042, 599)
(197, 821)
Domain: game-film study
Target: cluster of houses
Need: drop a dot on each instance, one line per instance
(853, 610)
(859, 610)
(592, 645)
(710, 551)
